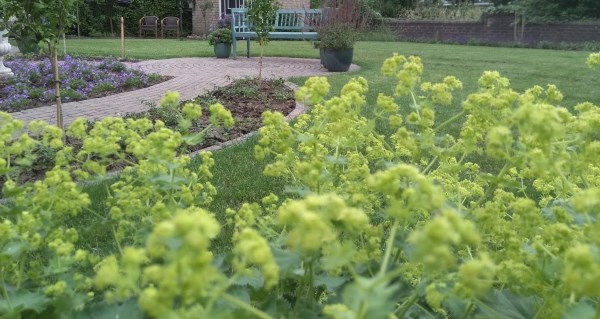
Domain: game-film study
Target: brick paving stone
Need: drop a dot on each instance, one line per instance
(192, 77)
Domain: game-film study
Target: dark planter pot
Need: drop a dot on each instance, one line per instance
(321, 55)
(222, 50)
(337, 60)
(123, 3)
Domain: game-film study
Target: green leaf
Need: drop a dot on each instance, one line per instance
(240, 293)
(297, 190)
(307, 309)
(68, 304)
(508, 305)
(340, 256)
(14, 249)
(193, 139)
(255, 279)
(274, 305)
(287, 261)
(581, 310)
(371, 295)
(549, 214)
(184, 124)
(330, 282)
(24, 300)
(339, 160)
(128, 309)
(25, 161)
(455, 306)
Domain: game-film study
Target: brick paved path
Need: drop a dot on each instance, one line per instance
(193, 76)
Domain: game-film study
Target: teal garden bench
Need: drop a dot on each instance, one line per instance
(289, 24)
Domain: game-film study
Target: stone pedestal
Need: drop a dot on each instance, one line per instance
(4, 50)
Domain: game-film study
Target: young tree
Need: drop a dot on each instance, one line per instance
(262, 17)
(204, 6)
(46, 21)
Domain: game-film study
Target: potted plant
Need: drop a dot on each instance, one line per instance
(337, 43)
(338, 31)
(221, 39)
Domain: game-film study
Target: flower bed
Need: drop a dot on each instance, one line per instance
(243, 99)
(33, 84)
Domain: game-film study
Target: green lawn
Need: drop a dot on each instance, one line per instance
(238, 176)
(524, 67)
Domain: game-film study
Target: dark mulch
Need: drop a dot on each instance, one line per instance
(244, 99)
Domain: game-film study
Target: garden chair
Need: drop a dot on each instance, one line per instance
(169, 24)
(149, 23)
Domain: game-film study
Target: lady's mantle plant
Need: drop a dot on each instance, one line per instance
(499, 221)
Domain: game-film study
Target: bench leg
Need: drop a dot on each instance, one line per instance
(234, 45)
(248, 48)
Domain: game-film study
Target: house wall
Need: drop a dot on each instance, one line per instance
(198, 22)
(497, 28)
(212, 15)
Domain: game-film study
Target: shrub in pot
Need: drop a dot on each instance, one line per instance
(221, 39)
(338, 31)
(337, 43)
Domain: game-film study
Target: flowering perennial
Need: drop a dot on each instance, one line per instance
(33, 83)
(500, 221)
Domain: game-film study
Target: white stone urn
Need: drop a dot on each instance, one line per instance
(4, 50)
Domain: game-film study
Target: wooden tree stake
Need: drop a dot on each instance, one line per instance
(59, 114)
(122, 37)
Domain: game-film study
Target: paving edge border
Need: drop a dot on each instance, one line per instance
(299, 109)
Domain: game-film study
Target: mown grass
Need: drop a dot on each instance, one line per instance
(238, 176)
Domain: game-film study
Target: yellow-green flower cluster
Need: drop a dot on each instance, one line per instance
(410, 194)
(593, 60)
(313, 91)
(406, 71)
(251, 248)
(441, 93)
(435, 244)
(318, 220)
(219, 114)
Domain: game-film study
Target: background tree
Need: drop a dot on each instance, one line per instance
(262, 15)
(554, 10)
(96, 16)
(42, 20)
(204, 6)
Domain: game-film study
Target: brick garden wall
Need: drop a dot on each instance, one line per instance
(497, 28)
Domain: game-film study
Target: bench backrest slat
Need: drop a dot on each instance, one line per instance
(287, 20)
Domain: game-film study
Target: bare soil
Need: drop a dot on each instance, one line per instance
(244, 99)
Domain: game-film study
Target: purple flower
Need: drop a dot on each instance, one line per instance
(80, 79)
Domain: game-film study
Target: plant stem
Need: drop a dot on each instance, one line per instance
(450, 120)
(489, 190)
(246, 306)
(402, 310)
(361, 311)
(469, 308)
(416, 105)
(430, 166)
(388, 248)
(4, 290)
(540, 311)
(311, 288)
(117, 240)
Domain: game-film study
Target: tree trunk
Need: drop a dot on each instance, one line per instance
(59, 115)
(260, 62)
